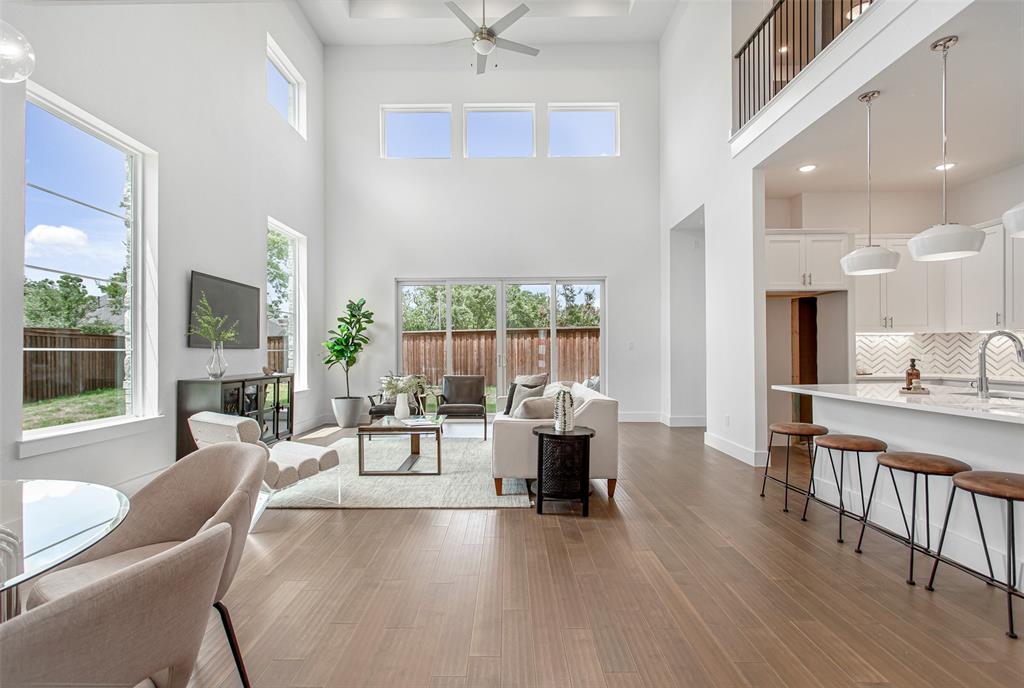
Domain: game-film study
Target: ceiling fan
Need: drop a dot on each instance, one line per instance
(486, 38)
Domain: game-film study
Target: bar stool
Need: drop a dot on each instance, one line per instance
(1006, 486)
(808, 431)
(915, 463)
(843, 444)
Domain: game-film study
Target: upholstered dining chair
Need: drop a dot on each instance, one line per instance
(215, 484)
(463, 396)
(140, 626)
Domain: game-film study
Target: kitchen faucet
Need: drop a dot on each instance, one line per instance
(983, 358)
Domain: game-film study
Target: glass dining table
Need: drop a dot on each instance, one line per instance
(43, 523)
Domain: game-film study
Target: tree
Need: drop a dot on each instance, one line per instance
(63, 303)
(423, 308)
(116, 291)
(527, 309)
(573, 314)
(348, 341)
(278, 273)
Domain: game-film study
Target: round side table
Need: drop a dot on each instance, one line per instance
(563, 465)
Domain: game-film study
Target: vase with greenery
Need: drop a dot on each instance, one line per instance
(343, 349)
(399, 387)
(215, 330)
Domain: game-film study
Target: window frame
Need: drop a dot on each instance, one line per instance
(143, 287)
(297, 90)
(300, 306)
(499, 107)
(588, 107)
(425, 108)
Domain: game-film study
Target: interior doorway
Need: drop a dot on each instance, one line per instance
(685, 397)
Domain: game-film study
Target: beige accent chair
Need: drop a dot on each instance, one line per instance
(218, 484)
(287, 462)
(140, 626)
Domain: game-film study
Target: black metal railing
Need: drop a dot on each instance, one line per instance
(787, 39)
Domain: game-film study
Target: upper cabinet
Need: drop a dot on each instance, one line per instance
(907, 300)
(980, 286)
(799, 261)
(1015, 283)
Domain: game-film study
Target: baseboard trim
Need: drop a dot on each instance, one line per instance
(639, 417)
(736, 451)
(683, 421)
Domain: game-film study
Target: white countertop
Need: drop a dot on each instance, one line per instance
(944, 399)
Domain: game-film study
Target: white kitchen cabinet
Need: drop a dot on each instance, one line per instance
(983, 285)
(804, 261)
(1015, 283)
(907, 300)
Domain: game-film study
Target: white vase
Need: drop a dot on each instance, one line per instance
(402, 406)
(565, 419)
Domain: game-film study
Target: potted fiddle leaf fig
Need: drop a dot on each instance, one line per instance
(343, 349)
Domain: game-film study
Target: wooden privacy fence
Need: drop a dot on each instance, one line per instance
(527, 351)
(276, 354)
(58, 370)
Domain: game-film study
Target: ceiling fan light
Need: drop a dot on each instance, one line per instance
(946, 242)
(1013, 221)
(870, 260)
(17, 58)
(483, 45)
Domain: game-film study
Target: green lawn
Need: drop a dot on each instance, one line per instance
(491, 391)
(101, 403)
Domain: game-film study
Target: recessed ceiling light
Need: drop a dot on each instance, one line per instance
(808, 168)
(784, 49)
(945, 166)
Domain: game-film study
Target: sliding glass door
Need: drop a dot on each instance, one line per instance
(501, 329)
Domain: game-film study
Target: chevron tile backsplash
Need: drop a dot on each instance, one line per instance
(937, 353)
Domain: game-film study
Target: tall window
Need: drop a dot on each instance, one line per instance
(81, 233)
(499, 131)
(286, 250)
(583, 130)
(286, 89)
(416, 131)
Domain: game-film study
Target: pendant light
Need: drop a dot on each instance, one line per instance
(871, 259)
(17, 59)
(945, 241)
(1013, 221)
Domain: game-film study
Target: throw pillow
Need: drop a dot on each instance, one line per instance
(541, 408)
(532, 380)
(510, 397)
(523, 392)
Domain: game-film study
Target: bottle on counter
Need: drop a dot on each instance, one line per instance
(912, 374)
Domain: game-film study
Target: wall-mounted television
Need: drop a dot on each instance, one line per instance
(238, 301)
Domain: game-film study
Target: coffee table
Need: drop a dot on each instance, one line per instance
(389, 425)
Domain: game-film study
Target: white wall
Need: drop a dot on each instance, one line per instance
(688, 364)
(701, 166)
(987, 198)
(540, 217)
(893, 212)
(187, 80)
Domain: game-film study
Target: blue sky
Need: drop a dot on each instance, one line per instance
(499, 134)
(278, 90)
(581, 133)
(59, 234)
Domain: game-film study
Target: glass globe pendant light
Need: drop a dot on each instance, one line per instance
(871, 259)
(948, 240)
(17, 59)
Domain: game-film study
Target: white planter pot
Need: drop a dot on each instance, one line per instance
(347, 410)
(402, 406)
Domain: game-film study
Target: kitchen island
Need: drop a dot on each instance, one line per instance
(988, 434)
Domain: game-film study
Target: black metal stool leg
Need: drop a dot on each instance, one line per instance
(988, 559)
(864, 523)
(860, 477)
(839, 486)
(913, 528)
(927, 517)
(810, 481)
(899, 501)
(785, 500)
(768, 461)
(942, 538)
(1011, 566)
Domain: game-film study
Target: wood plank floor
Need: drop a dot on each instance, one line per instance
(687, 579)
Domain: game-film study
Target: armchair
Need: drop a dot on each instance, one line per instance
(381, 406)
(463, 396)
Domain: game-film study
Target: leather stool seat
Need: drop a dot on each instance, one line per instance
(992, 484)
(854, 443)
(919, 462)
(798, 429)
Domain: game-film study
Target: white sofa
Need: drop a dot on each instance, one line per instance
(514, 448)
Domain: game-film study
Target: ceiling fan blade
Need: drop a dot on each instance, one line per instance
(457, 41)
(463, 17)
(515, 47)
(481, 63)
(509, 19)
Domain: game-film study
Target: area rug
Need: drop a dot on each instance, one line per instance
(465, 481)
